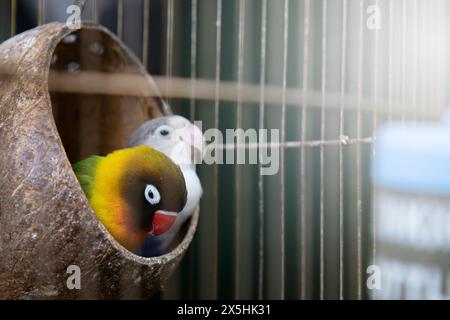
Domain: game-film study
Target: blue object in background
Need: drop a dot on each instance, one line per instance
(446, 120)
(412, 211)
(414, 159)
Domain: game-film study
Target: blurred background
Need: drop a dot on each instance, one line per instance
(326, 73)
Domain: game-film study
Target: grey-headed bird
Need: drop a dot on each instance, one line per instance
(182, 141)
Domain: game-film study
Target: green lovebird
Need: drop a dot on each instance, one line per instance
(134, 192)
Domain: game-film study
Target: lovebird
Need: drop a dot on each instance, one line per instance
(180, 140)
(134, 192)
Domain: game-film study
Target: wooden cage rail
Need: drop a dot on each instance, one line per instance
(181, 88)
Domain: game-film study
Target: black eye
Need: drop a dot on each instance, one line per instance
(164, 130)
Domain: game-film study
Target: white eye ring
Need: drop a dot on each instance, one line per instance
(152, 194)
(164, 130)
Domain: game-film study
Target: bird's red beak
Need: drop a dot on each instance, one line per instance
(162, 221)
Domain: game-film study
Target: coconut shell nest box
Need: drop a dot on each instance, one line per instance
(46, 223)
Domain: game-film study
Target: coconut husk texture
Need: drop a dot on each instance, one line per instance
(46, 223)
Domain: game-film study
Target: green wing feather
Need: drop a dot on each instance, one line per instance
(85, 172)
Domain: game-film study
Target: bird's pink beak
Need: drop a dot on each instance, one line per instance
(192, 135)
(162, 221)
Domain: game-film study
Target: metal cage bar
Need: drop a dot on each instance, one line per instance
(282, 153)
(303, 151)
(262, 125)
(13, 17)
(145, 32)
(216, 125)
(169, 46)
(194, 12)
(322, 150)
(341, 150)
(40, 17)
(390, 62)
(358, 152)
(237, 186)
(120, 19)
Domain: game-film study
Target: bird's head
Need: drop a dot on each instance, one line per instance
(174, 135)
(137, 191)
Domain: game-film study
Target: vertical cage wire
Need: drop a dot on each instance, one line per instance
(427, 52)
(145, 32)
(95, 10)
(282, 153)
(423, 66)
(303, 151)
(169, 47)
(390, 62)
(440, 84)
(375, 76)
(428, 71)
(415, 49)
(403, 88)
(240, 72)
(341, 150)
(322, 151)
(13, 17)
(120, 19)
(194, 10)
(41, 5)
(358, 152)
(432, 78)
(374, 127)
(262, 82)
(216, 125)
